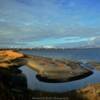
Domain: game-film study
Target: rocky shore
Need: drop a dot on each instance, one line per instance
(13, 84)
(11, 59)
(54, 70)
(95, 64)
(47, 68)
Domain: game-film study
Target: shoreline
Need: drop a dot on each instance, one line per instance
(91, 92)
(45, 67)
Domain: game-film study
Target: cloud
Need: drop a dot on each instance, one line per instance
(47, 22)
(57, 42)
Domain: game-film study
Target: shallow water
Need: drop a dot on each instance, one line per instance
(35, 84)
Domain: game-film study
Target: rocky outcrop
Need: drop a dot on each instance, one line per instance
(91, 92)
(46, 68)
(12, 79)
(95, 64)
(53, 70)
(10, 54)
(11, 59)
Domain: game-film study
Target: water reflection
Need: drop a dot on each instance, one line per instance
(35, 84)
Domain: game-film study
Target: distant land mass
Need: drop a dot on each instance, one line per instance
(86, 47)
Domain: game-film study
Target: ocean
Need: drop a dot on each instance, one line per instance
(91, 54)
(73, 54)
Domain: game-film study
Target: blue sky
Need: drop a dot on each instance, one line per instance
(49, 23)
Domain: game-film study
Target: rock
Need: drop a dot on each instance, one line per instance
(91, 92)
(95, 64)
(47, 68)
(13, 78)
(11, 59)
(51, 69)
(10, 54)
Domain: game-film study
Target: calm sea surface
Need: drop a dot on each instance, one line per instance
(92, 54)
(77, 54)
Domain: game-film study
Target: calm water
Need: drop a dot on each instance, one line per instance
(77, 54)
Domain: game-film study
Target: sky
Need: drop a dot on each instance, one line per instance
(49, 23)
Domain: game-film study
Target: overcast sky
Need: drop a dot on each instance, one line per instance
(49, 23)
